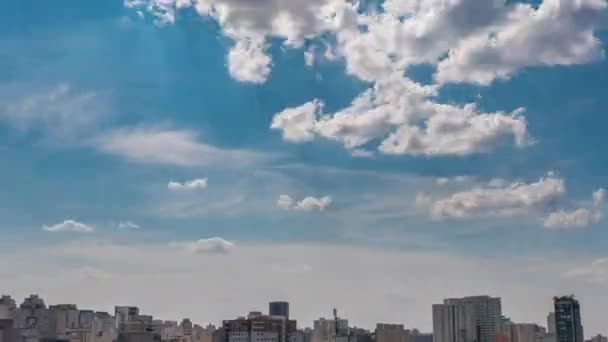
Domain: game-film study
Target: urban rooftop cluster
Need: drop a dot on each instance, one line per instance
(468, 319)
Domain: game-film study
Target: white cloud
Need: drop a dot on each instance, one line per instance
(60, 111)
(595, 272)
(153, 145)
(557, 33)
(247, 61)
(309, 203)
(214, 245)
(298, 124)
(578, 218)
(195, 184)
(70, 226)
(128, 225)
(249, 26)
(285, 202)
(163, 10)
(313, 203)
(514, 199)
(398, 114)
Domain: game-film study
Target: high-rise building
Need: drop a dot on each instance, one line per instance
(568, 326)
(325, 330)
(487, 312)
(279, 309)
(454, 321)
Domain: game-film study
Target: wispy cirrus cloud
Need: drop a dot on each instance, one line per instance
(69, 226)
(156, 145)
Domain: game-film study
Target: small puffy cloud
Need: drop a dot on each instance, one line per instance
(127, 225)
(247, 61)
(513, 199)
(298, 124)
(195, 184)
(69, 226)
(314, 203)
(309, 203)
(578, 218)
(285, 202)
(214, 245)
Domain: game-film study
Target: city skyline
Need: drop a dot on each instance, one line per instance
(200, 157)
(122, 312)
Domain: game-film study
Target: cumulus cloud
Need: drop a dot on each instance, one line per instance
(483, 39)
(516, 198)
(195, 184)
(556, 33)
(247, 61)
(248, 26)
(298, 124)
(401, 117)
(214, 245)
(578, 218)
(69, 226)
(154, 145)
(128, 225)
(309, 203)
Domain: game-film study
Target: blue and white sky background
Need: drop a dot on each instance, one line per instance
(199, 158)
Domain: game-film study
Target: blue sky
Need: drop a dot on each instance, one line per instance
(416, 134)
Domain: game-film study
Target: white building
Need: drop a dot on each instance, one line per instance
(324, 330)
(454, 321)
(487, 312)
(122, 314)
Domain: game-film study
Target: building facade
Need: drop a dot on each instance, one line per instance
(391, 333)
(568, 326)
(279, 309)
(487, 313)
(454, 321)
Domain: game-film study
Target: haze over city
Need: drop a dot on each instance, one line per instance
(200, 158)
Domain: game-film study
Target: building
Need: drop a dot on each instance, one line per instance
(598, 338)
(568, 326)
(360, 335)
(123, 313)
(487, 312)
(32, 319)
(279, 309)
(422, 337)
(551, 323)
(391, 333)
(257, 327)
(330, 330)
(526, 332)
(454, 321)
